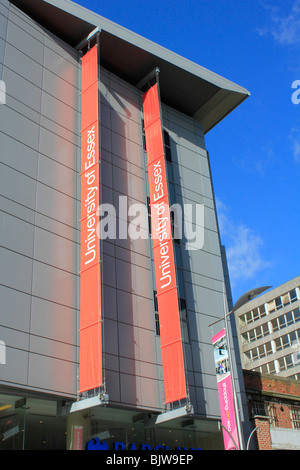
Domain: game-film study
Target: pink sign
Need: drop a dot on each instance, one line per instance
(230, 434)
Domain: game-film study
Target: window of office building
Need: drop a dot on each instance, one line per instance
(256, 333)
(259, 352)
(282, 300)
(252, 315)
(268, 368)
(286, 362)
(287, 340)
(286, 319)
(295, 416)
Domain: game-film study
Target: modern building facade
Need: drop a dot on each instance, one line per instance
(269, 333)
(43, 406)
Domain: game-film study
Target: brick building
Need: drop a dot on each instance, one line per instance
(274, 409)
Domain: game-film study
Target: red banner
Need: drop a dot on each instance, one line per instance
(90, 274)
(165, 274)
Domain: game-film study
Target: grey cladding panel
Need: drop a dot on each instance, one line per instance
(40, 202)
(16, 234)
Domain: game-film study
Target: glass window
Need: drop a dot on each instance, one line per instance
(289, 361)
(282, 321)
(251, 335)
(247, 356)
(295, 414)
(293, 295)
(278, 303)
(268, 348)
(259, 332)
(285, 341)
(265, 329)
(170, 172)
(172, 196)
(255, 354)
(281, 363)
(262, 310)
(249, 317)
(289, 318)
(271, 367)
(155, 301)
(258, 408)
(278, 344)
(275, 324)
(178, 255)
(157, 330)
(255, 314)
(297, 314)
(271, 306)
(285, 299)
(180, 283)
(167, 147)
(293, 336)
(167, 139)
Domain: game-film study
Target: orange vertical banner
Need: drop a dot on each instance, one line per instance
(165, 274)
(90, 273)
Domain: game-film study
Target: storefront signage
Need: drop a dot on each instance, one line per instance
(96, 444)
(167, 296)
(90, 274)
(230, 434)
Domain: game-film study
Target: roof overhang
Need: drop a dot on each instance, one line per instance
(184, 85)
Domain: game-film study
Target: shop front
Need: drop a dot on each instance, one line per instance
(39, 424)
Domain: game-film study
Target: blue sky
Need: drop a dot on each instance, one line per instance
(254, 152)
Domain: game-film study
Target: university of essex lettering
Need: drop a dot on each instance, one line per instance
(91, 197)
(162, 243)
(160, 214)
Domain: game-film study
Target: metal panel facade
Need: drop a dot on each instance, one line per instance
(39, 208)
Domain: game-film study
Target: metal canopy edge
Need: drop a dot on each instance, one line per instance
(184, 85)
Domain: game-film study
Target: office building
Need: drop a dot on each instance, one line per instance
(269, 332)
(91, 352)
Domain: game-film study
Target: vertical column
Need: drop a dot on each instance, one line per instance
(90, 273)
(167, 296)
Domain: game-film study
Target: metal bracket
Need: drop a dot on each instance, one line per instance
(98, 400)
(148, 77)
(88, 38)
(187, 410)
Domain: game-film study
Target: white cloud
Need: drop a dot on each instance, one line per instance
(284, 27)
(243, 248)
(295, 140)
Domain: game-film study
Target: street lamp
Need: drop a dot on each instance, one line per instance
(249, 295)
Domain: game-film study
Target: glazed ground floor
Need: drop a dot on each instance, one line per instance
(36, 423)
